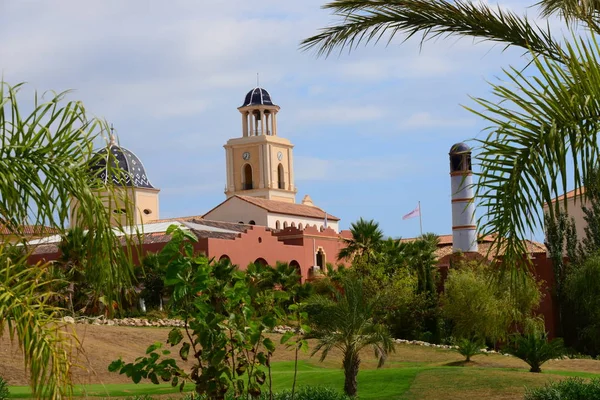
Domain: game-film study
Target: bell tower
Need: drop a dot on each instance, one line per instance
(260, 163)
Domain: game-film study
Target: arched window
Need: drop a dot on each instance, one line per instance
(285, 224)
(277, 225)
(247, 183)
(252, 222)
(321, 228)
(261, 261)
(225, 257)
(321, 259)
(296, 265)
(300, 226)
(280, 177)
(293, 225)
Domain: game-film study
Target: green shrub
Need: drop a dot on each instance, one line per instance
(569, 389)
(311, 393)
(535, 349)
(469, 348)
(3, 389)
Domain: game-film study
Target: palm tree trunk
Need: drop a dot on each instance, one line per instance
(351, 364)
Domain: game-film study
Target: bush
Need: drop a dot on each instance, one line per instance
(469, 348)
(3, 389)
(311, 393)
(535, 349)
(569, 389)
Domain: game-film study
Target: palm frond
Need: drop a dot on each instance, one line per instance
(366, 21)
(46, 345)
(544, 135)
(572, 11)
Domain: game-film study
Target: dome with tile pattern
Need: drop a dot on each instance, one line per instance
(257, 97)
(123, 169)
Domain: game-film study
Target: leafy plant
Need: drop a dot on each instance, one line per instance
(312, 393)
(568, 389)
(3, 389)
(469, 348)
(535, 349)
(346, 323)
(224, 330)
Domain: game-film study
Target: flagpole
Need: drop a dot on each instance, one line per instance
(420, 220)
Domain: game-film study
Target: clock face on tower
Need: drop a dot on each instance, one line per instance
(279, 156)
(246, 155)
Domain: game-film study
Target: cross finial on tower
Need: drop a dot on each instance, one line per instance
(112, 135)
(257, 80)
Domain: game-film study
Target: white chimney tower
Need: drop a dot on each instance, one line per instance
(464, 228)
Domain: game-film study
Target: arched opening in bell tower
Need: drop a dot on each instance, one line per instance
(247, 183)
(280, 177)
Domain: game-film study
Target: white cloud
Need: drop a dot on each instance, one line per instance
(424, 120)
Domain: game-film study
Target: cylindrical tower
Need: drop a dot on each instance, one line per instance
(464, 228)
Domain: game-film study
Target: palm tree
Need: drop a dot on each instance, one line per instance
(44, 159)
(365, 242)
(346, 323)
(543, 126)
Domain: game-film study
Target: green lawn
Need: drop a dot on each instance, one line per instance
(408, 381)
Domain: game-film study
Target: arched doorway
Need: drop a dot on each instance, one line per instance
(224, 258)
(247, 183)
(296, 265)
(261, 261)
(321, 260)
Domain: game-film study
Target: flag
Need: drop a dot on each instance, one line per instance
(414, 213)
(325, 225)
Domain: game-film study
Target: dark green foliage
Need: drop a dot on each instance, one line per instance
(568, 389)
(561, 241)
(535, 349)
(311, 393)
(152, 276)
(469, 348)
(3, 389)
(365, 243)
(583, 294)
(591, 241)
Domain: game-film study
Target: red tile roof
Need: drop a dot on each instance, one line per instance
(570, 194)
(281, 207)
(30, 230)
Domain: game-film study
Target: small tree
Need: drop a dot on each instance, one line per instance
(366, 241)
(346, 322)
(535, 349)
(482, 303)
(469, 348)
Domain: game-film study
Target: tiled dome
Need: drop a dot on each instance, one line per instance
(460, 148)
(257, 97)
(126, 169)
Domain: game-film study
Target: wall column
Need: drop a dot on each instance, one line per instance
(275, 123)
(230, 180)
(262, 122)
(244, 124)
(290, 170)
(261, 182)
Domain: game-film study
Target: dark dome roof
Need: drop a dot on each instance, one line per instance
(258, 97)
(459, 148)
(126, 169)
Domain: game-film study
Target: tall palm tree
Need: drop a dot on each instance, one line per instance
(543, 126)
(365, 242)
(44, 159)
(346, 323)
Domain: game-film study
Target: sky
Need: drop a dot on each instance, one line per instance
(371, 129)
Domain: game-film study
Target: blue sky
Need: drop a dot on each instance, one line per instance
(371, 129)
